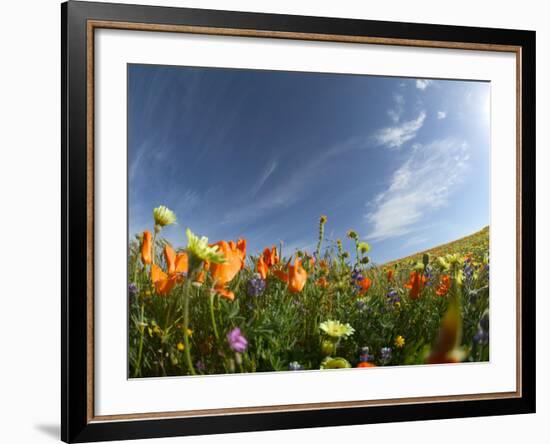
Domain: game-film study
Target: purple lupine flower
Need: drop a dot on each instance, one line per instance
(132, 289)
(256, 286)
(356, 278)
(365, 356)
(356, 275)
(468, 271)
(199, 365)
(393, 297)
(237, 342)
(428, 275)
(481, 337)
(385, 354)
(295, 366)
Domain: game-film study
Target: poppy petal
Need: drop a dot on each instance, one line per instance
(170, 256)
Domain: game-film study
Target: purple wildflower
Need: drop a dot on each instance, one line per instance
(356, 275)
(132, 289)
(365, 356)
(295, 366)
(393, 297)
(468, 271)
(385, 354)
(199, 365)
(256, 286)
(237, 342)
(428, 275)
(481, 337)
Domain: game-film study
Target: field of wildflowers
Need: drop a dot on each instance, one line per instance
(208, 308)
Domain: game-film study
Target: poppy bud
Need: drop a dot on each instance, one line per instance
(328, 347)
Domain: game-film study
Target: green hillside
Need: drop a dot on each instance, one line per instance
(476, 243)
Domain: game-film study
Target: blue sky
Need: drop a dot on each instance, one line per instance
(262, 154)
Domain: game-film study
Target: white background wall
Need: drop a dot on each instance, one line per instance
(30, 208)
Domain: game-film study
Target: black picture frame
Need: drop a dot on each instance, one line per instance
(76, 423)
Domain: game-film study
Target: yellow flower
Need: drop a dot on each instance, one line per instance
(364, 247)
(443, 263)
(323, 220)
(163, 216)
(399, 341)
(180, 346)
(198, 248)
(333, 363)
(454, 259)
(336, 329)
(352, 234)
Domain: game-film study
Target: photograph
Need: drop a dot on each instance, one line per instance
(305, 221)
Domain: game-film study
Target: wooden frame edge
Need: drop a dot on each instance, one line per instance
(204, 30)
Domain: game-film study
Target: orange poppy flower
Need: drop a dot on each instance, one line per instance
(176, 264)
(415, 284)
(281, 275)
(296, 276)
(365, 365)
(146, 247)
(267, 259)
(261, 267)
(390, 275)
(235, 255)
(444, 285)
(322, 282)
(323, 264)
(271, 257)
(201, 275)
(364, 285)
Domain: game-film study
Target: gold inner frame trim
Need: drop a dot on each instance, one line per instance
(97, 24)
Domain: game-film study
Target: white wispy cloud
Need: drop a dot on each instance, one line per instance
(397, 135)
(267, 172)
(189, 200)
(423, 83)
(441, 114)
(423, 183)
(399, 106)
(296, 184)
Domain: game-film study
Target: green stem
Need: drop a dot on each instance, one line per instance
(137, 371)
(186, 329)
(320, 241)
(212, 317)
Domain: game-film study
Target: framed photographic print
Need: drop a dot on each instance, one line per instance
(275, 221)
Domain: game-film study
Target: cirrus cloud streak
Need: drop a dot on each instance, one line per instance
(422, 184)
(395, 136)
